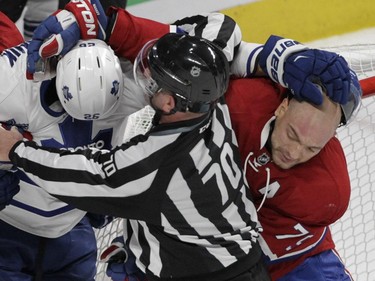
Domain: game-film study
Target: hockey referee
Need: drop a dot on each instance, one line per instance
(180, 186)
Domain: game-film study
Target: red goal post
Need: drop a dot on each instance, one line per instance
(368, 86)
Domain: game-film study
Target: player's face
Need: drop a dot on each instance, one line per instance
(300, 132)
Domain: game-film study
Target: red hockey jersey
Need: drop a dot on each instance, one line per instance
(301, 202)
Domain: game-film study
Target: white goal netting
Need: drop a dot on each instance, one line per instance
(354, 233)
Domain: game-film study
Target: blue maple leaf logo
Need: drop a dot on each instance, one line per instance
(115, 87)
(67, 95)
(78, 133)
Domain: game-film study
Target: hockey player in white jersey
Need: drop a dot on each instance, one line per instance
(40, 236)
(36, 225)
(44, 229)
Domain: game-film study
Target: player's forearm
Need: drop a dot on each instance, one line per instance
(246, 61)
(131, 33)
(88, 179)
(59, 165)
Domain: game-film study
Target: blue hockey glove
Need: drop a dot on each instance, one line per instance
(121, 262)
(57, 34)
(9, 186)
(299, 68)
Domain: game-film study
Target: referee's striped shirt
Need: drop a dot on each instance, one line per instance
(181, 186)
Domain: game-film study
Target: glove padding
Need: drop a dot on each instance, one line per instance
(121, 262)
(300, 69)
(57, 34)
(9, 186)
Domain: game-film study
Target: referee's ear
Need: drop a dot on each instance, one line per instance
(163, 101)
(169, 103)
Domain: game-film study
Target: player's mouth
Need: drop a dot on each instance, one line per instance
(282, 159)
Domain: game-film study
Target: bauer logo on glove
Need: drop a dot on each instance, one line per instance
(300, 68)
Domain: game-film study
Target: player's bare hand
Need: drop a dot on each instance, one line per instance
(7, 140)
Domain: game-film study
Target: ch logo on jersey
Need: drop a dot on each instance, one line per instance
(67, 95)
(115, 87)
(78, 134)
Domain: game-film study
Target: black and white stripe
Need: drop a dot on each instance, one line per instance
(183, 193)
(216, 27)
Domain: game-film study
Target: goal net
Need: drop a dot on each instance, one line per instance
(354, 233)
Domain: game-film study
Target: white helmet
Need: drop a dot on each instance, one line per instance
(89, 80)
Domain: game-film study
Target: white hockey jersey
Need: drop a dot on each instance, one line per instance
(25, 104)
(34, 107)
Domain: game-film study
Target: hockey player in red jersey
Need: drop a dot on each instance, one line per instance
(298, 176)
(294, 164)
